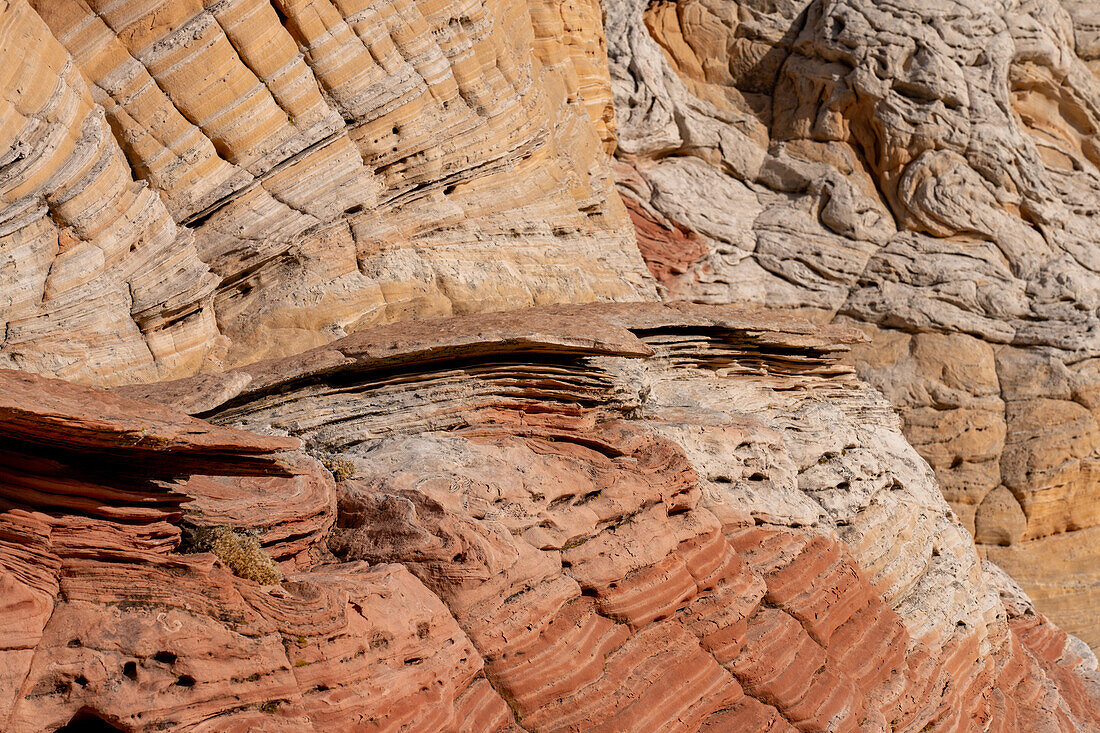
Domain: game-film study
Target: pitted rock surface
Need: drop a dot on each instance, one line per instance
(695, 518)
(926, 172)
(339, 485)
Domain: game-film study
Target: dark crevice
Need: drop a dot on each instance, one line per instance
(88, 721)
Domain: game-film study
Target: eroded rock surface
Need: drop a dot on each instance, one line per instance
(190, 186)
(627, 518)
(104, 618)
(926, 172)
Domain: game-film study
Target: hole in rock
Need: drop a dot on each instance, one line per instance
(81, 680)
(165, 657)
(757, 477)
(185, 680)
(590, 592)
(87, 721)
(130, 670)
(560, 500)
(354, 209)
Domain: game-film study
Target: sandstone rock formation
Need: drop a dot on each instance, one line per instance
(619, 517)
(622, 518)
(193, 185)
(928, 173)
(1086, 22)
(105, 620)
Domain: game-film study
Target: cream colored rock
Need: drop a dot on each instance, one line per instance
(928, 173)
(1086, 23)
(727, 487)
(1058, 570)
(95, 276)
(204, 185)
(610, 517)
(636, 517)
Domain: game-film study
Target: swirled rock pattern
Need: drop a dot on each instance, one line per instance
(648, 517)
(629, 518)
(612, 517)
(926, 172)
(191, 185)
(104, 620)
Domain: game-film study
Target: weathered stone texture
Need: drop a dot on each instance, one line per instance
(926, 172)
(618, 516)
(623, 518)
(669, 523)
(191, 186)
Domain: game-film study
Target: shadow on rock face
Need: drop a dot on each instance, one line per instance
(87, 721)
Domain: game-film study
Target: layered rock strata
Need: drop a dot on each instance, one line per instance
(580, 518)
(107, 623)
(662, 517)
(195, 185)
(925, 172)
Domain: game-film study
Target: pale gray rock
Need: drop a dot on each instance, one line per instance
(924, 168)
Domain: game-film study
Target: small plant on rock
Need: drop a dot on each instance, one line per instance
(341, 468)
(239, 551)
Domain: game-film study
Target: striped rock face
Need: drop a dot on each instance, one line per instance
(687, 518)
(926, 172)
(188, 187)
(339, 486)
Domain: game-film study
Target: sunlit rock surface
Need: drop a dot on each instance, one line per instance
(685, 518)
(583, 517)
(188, 187)
(927, 173)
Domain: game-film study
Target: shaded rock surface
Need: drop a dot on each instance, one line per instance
(689, 518)
(926, 172)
